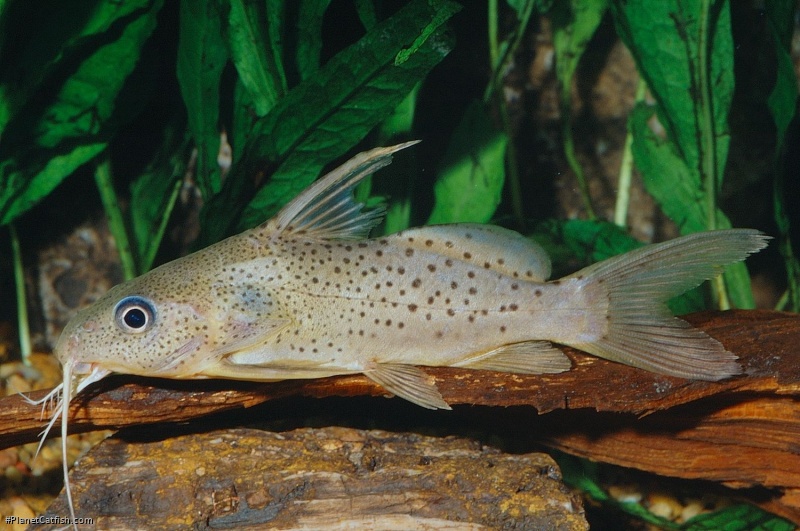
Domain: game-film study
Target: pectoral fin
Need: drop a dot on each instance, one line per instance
(409, 382)
(529, 357)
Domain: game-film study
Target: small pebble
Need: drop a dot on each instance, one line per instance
(664, 506)
(692, 509)
(8, 457)
(625, 493)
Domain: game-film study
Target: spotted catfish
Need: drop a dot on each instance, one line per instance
(308, 295)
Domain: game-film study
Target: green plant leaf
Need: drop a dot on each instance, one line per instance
(201, 58)
(398, 179)
(309, 36)
(470, 180)
(685, 53)
(366, 13)
(738, 518)
(678, 190)
(153, 195)
(256, 50)
(326, 115)
(56, 132)
(57, 35)
(670, 41)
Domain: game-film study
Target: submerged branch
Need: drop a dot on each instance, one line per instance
(740, 432)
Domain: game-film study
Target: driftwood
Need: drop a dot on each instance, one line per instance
(310, 479)
(740, 432)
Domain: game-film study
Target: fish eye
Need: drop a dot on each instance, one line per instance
(134, 314)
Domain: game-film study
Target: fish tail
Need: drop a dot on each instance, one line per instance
(633, 289)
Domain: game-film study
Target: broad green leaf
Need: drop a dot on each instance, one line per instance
(470, 180)
(309, 35)
(684, 50)
(397, 180)
(55, 36)
(201, 58)
(685, 53)
(440, 16)
(738, 518)
(19, 190)
(58, 133)
(678, 191)
(366, 13)
(676, 187)
(326, 115)
(256, 52)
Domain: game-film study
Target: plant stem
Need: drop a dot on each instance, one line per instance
(498, 60)
(23, 329)
(116, 224)
(626, 167)
(708, 152)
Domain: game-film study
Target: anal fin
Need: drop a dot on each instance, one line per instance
(529, 357)
(409, 382)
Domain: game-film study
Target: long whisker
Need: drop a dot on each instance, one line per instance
(65, 400)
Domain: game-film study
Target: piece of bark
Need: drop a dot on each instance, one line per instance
(310, 479)
(741, 432)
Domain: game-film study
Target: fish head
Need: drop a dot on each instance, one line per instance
(135, 328)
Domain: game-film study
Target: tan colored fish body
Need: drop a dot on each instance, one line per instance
(307, 295)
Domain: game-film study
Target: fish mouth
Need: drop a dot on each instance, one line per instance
(92, 371)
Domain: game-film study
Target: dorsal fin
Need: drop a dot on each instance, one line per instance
(506, 251)
(327, 210)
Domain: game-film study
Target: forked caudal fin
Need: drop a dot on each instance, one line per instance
(639, 329)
